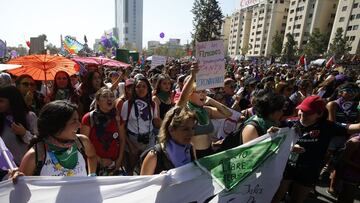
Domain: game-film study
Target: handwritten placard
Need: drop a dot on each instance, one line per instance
(211, 64)
(158, 60)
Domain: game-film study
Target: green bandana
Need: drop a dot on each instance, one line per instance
(201, 113)
(67, 157)
(163, 96)
(62, 94)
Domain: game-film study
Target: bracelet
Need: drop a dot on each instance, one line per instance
(92, 174)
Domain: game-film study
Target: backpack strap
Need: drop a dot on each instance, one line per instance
(80, 146)
(163, 161)
(91, 118)
(40, 156)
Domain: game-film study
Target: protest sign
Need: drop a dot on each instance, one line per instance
(211, 60)
(158, 60)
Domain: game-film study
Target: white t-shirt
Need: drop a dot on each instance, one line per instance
(49, 168)
(145, 125)
(223, 127)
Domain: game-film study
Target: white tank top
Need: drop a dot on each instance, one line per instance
(49, 168)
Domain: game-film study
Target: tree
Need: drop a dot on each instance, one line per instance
(316, 45)
(289, 49)
(339, 45)
(207, 20)
(276, 45)
(244, 50)
(52, 48)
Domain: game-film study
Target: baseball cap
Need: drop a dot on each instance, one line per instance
(312, 104)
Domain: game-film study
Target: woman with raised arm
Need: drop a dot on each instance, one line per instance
(206, 109)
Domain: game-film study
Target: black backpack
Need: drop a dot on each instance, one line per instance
(234, 139)
(163, 163)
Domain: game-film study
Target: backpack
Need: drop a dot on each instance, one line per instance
(234, 139)
(162, 163)
(40, 152)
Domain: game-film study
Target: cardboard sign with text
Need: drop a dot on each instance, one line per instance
(211, 64)
(158, 60)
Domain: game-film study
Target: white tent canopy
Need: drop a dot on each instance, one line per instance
(8, 66)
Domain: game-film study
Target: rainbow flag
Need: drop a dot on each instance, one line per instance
(72, 46)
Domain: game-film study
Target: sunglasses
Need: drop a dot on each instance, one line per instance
(28, 84)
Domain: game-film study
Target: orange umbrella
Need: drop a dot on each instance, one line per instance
(42, 67)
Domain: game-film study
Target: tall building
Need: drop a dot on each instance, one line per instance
(129, 21)
(268, 18)
(306, 15)
(225, 32)
(348, 18)
(239, 32)
(254, 26)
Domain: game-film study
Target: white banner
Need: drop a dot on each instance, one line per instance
(247, 3)
(185, 184)
(211, 64)
(158, 60)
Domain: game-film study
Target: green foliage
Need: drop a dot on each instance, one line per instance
(52, 48)
(277, 44)
(339, 46)
(316, 45)
(207, 20)
(289, 49)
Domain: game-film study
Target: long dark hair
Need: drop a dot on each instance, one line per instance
(160, 78)
(267, 102)
(87, 87)
(53, 118)
(18, 108)
(69, 85)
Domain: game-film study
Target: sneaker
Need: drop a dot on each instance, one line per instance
(332, 193)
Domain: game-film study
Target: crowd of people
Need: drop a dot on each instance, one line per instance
(146, 120)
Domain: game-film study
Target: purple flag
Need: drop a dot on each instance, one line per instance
(6, 158)
(2, 49)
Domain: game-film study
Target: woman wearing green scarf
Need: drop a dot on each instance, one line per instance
(206, 109)
(268, 107)
(163, 97)
(58, 150)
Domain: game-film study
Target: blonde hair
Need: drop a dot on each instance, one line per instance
(174, 118)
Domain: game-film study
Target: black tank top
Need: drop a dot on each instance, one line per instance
(164, 108)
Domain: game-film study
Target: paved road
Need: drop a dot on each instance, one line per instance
(321, 196)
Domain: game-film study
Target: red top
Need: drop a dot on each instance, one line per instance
(106, 145)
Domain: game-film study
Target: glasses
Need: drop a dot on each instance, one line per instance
(28, 84)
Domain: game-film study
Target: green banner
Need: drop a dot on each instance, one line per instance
(234, 165)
